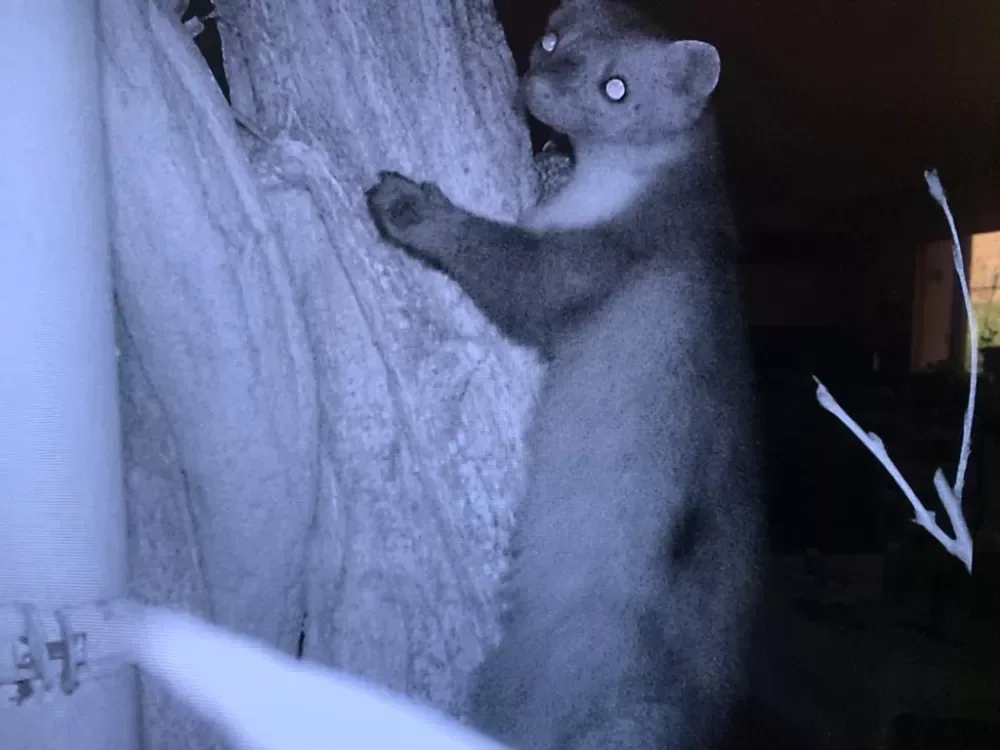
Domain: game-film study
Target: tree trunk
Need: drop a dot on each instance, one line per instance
(321, 436)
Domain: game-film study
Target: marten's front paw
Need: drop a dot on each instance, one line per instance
(402, 209)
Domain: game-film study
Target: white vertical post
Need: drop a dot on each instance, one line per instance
(62, 518)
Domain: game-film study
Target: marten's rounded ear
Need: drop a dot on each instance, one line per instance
(694, 67)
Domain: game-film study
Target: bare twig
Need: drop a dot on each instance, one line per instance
(950, 496)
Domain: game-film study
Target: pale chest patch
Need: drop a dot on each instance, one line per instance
(593, 195)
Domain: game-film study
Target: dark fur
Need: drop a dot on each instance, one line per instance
(634, 557)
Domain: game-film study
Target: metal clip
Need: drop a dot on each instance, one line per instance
(72, 649)
(32, 654)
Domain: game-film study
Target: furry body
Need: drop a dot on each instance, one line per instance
(634, 554)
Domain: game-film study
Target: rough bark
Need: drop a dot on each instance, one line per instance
(317, 429)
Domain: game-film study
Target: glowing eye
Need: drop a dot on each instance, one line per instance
(615, 89)
(549, 41)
